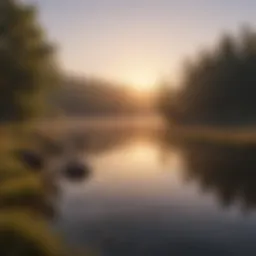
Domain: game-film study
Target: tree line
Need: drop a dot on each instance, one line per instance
(217, 87)
(90, 97)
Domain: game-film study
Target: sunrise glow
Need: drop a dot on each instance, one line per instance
(140, 81)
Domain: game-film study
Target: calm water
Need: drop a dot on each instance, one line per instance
(145, 197)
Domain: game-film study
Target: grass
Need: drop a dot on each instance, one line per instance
(22, 233)
(23, 202)
(232, 135)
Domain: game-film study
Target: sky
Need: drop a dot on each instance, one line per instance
(137, 41)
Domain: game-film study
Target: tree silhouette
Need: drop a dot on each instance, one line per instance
(218, 87)
(27, 66)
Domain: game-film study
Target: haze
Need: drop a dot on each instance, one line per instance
(137, 42)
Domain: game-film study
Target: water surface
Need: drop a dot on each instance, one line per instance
(149, 197)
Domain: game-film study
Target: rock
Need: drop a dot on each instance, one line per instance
(32, 159)
(76, 171)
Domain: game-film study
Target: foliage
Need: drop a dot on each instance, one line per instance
(24, 234)
(218, 87)
(27, 71)
(23, 207)
(27, 67)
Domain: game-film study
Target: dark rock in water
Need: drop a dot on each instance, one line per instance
(31, 159)
(76, 171)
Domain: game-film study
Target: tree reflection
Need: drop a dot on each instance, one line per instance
(227, 171)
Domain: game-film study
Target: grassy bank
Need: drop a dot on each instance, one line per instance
(24, 206)
(220, 135)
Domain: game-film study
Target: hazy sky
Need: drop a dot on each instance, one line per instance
(137, 40)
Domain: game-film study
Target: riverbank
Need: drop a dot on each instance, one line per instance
(24, 196)
(220, 135)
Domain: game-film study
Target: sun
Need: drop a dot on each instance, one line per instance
(141, 83)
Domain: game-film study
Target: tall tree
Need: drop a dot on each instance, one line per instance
(218, 87)
(27, 65)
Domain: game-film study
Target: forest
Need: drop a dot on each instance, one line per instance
(217, 88)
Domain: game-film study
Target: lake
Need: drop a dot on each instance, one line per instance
(147, 196)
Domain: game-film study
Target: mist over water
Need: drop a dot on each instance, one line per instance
(149, 197)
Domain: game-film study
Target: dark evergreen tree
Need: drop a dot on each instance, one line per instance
(219, 87)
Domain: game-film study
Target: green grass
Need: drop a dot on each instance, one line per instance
(23, 201)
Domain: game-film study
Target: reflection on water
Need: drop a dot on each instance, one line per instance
(139, 201)
(228, 172)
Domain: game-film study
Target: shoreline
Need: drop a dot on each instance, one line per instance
(219, 135)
